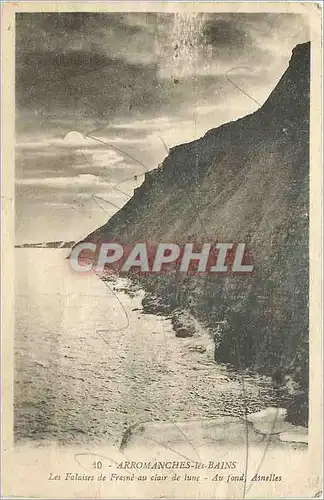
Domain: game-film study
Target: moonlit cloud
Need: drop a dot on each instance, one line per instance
(88, 180)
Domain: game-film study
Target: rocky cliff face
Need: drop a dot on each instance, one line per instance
(245, 181)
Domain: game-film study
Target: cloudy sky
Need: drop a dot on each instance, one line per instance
(100, 98)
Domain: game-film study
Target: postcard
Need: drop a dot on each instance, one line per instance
(162, 194)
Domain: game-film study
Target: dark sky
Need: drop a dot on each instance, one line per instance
(140, 83)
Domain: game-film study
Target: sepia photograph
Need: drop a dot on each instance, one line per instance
(162, 288)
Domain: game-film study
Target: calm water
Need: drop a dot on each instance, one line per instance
(88, 363)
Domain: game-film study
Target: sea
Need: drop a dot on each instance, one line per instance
(89, 363)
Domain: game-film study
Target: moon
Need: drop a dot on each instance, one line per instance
(75, 138)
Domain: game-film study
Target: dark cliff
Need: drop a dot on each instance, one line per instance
(245, 181)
